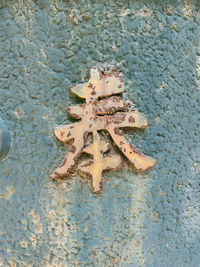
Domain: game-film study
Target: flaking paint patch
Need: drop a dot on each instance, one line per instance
(9, 192)
(187, 9)
(36, 220)
(23, 244)
(33, 240)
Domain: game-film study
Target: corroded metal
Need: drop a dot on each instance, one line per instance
(4, 140)
(101, 111)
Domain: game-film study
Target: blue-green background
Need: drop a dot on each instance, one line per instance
(145, 220)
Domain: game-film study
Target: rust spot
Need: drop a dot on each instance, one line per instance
(75, 115)
(131, 119)
(93, 93)
(135, 150)
(56, 176)
(82, 106)
(64, 162)
(87, 164)
(117, 131)
(73, 149)
(109, 105)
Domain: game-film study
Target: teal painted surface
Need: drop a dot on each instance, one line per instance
(4, 140)
(140, 219)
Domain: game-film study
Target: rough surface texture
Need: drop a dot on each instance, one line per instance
(4, 140)
(139, 219)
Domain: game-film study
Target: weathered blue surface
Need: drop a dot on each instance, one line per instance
(148, 219)
(4, 140)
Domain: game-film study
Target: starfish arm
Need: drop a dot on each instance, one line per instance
(70, 160)
(138, 160)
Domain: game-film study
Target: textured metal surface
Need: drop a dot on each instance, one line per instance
(4, 140)
(139, 219)
(114, 114)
